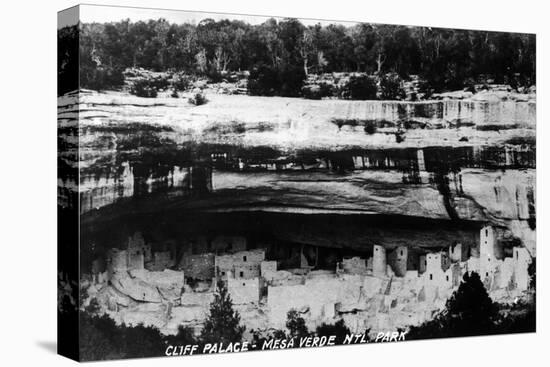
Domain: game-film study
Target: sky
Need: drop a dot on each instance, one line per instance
(102, 14)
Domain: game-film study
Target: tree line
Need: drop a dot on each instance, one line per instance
(445, 58)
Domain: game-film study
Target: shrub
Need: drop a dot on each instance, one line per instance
(391, 87)
(181, 83)
(159, 82)
(311, 92)
(291, 79)
(101, 78)
(370, 127)
(339, 330)
(318, 91)
(361, 87)
(144, 88)
(426, 89)
(285, 81)
(296, 324)
(101, 338)
(185, 335)
(214, 76)
(470, 85)
(263, 81)
(400, 136)
(198, 99)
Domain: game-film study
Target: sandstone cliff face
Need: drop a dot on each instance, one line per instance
(457, 159)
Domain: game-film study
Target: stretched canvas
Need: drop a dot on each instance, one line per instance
(229, 183)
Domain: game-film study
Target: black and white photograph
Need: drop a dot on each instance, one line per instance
(232, 183)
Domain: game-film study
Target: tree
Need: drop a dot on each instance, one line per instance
(223, 323)
(97, 338)
(67, 59)
(361, 87)
(184, 336)
(446, 58)
(339, 330)
(390, 87)
(201, 61)
(142, 341)
(470, 311)
(296, 324)
(101, 338)
(306, 49)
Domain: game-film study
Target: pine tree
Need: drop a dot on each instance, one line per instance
(469, 311)
(222, 325)
(296, 324)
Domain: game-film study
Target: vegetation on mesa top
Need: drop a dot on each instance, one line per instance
(280, 54)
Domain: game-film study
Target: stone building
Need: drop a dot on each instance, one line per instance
(353, 265)
(398, 260)
(438, 273)
(161, 260)
(117, 263)
(522, 259)
(422, 263)
(199, 267)
(458, 252)
(245, 291)
(247, 262)
(379, 262)
(138, 251)
(246, 271)
(268, 270)
(489, 252)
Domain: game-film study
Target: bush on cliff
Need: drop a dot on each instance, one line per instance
(391, 87)
(197, 99)
(318, 91)
(360, 87)
(144, 88)
(284, 81)
(101, 77)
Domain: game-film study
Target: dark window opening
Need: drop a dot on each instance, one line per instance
(431, 276)
(241, 274)
(244, 258)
